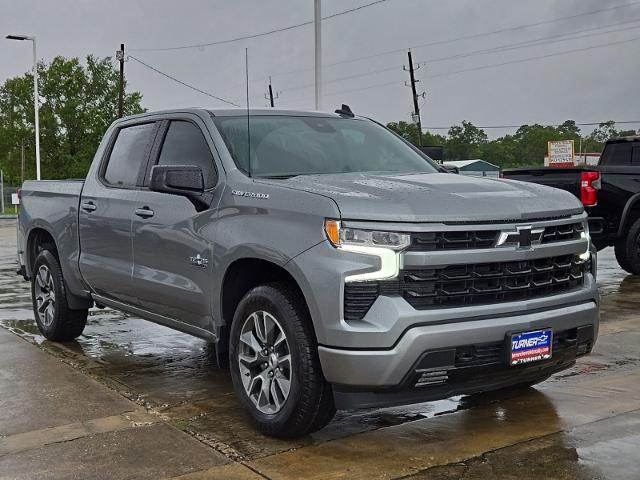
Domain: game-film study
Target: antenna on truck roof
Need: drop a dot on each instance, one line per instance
(246, 72)
(345, 111)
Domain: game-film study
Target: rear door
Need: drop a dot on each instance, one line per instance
(173, 265)
(107, 206)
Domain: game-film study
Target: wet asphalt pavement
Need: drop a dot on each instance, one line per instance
(582, 423)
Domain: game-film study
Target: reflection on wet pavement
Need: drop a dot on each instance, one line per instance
(543, 432)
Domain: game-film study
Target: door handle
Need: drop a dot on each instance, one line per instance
(144, 212)
(88, 207)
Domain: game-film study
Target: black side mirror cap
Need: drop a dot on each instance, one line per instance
(450, 168)
(183, 180)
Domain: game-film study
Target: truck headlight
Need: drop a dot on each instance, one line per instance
(585, 234)
(341, 236)
(384, 245)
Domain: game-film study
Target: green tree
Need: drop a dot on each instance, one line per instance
(77, 104)
(464, 142)
(409, 131)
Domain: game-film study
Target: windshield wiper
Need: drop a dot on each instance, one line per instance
(279, 177)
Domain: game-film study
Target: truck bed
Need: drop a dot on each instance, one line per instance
(52, 206)
(564, 178)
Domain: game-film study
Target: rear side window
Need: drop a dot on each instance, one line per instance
(617, 154)
(128, 154)
(185, 144)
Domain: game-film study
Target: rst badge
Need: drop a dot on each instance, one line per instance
(527, 347)
(199, 261)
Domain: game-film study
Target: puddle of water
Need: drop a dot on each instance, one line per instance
(177, 374)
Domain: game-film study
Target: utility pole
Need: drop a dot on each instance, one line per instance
(269, 96)
(1, 191)
(120, 58)
(317, 25)
(416, 107)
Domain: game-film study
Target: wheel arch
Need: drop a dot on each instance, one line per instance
(240, 276)
(630, 213)
(38, 239)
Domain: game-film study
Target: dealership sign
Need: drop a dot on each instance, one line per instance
(561, 153)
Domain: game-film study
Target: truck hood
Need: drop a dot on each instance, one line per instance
(436, 197)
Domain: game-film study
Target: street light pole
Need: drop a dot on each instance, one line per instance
(36, 98)
(317, 24)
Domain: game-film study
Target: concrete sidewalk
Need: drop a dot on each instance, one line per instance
(57, 423)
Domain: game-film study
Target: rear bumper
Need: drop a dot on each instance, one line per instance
(383, 370)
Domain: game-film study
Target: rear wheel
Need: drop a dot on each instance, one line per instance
(628, 250)
(274, 363)
(55, 319)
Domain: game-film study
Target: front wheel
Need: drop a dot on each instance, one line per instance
(55, 319)
(274, 363)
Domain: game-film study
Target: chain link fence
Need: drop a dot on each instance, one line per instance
(9, 207)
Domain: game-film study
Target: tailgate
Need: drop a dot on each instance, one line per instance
(563, 178)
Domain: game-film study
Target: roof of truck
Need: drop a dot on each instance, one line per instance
(240, 112)
(630, 138)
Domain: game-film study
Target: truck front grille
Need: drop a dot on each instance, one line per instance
(454, 240)
(468, 285)
(474, 239)
(562, 233)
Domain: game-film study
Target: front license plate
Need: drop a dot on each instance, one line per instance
(527, 347)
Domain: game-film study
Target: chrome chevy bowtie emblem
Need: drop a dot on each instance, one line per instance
(523, 237)
(199, 261)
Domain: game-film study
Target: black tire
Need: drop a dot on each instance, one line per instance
(57, 322)
(627, 249)
(309, 405)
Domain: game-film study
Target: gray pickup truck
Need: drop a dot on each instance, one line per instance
(333, 264)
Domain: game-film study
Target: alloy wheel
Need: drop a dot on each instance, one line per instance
(45, 296)
(265, 362)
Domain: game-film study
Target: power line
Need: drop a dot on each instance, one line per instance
(503, 48)
(539, 57)
(181, 82)
(487, 66)
(584, 124)
(467, 37)
(255, 35)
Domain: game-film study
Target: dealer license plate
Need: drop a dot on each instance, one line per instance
(527, 347)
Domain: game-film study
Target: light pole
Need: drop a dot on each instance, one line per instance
(317, 24)
(36, 101)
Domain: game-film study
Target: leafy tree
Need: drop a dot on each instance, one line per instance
(464, 142)
(526, 147)
(409, 131)
(77, 104)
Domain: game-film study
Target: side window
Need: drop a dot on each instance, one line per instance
(185, 144)
(617, 154)
(635, 158)
(128, 154)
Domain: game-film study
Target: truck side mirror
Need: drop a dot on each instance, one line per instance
(183, 180)
(450, 168)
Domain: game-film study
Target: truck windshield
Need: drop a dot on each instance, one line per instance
(283, 146)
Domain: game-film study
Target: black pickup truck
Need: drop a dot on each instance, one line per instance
(610, 193)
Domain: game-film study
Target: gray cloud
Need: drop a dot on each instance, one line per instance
(591, 85)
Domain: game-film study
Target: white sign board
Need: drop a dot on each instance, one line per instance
(14, 199)
(561, 153)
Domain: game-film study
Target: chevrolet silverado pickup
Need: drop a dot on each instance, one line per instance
(333, 264)
(610, 193)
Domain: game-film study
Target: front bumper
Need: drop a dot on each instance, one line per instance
(385, 370)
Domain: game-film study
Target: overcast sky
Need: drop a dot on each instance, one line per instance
(587, 86)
